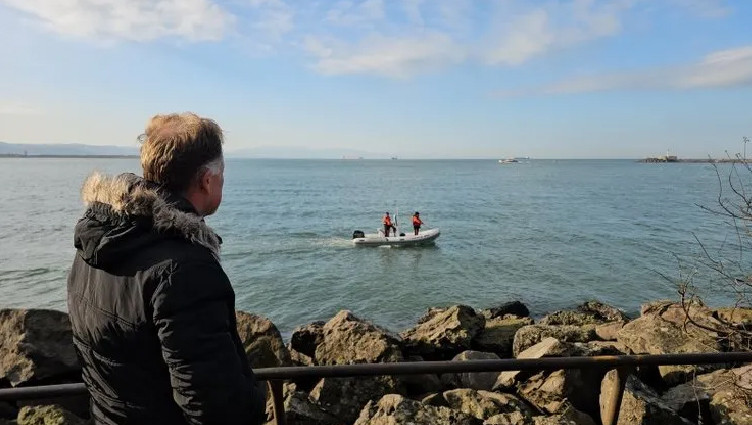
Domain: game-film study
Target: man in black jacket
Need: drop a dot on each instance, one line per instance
(153, 313)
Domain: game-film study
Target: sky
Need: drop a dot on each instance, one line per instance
(409, 78)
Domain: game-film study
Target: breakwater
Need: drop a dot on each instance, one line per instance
(37, 349)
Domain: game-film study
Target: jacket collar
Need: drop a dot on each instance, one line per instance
(130, 195)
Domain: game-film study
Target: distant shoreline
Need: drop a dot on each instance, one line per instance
(12, 155)
(693, 161)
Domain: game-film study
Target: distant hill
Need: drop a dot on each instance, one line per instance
(301, 152)
(79, 149)
(65, 149)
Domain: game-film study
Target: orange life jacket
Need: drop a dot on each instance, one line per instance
(387, 220)
(416, 221)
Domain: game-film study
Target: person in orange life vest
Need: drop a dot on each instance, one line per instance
(416, 222)
(387, 224)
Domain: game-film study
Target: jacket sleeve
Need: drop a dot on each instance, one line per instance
(194, 317)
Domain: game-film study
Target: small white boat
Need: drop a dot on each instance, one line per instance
(508, 161)
(424, 237)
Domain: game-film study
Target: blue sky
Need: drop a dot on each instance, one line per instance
(411, 78)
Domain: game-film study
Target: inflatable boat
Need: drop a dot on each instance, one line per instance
(424, 237)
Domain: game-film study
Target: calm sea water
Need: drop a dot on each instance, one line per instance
(549, 232)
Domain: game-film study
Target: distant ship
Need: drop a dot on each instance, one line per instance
(394, 158)
(508, 161)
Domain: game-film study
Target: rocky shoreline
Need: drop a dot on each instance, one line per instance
(36, 349)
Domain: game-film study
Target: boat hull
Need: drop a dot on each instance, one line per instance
(425, 237)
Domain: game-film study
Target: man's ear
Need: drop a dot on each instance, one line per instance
(204, 181)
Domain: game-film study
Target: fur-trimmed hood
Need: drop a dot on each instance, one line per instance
(119, 207)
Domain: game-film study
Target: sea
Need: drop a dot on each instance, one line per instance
(551, 233)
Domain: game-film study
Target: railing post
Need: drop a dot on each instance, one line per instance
(611, 416)
(278, 401)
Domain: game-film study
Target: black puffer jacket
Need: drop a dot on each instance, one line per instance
(153, 312)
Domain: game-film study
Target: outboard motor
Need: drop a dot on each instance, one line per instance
(359, 234)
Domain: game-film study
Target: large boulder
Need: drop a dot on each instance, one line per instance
(722, 397)
(640, 404)
(570, 418)
(498, 335)
(485, 404)
(443, 332)
(420, 385)
(609, 331)
(47, 415)
(8, 411)
(300, 410)
(664, 328)
(476, 380)
(345, 397)
(350, 340)
(559, 392)
(548, 347)
(262, 341)
(306, 338)
(394, 409)
(515, 418)
(589, 313)
(734, 316)
(36, 345)
(506, 310)
(530, 335)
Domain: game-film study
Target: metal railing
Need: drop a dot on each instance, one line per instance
(275, 376)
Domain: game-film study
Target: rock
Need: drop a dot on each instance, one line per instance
(608, 331)
(548, 347)
(393, 409)
(8, 411)
(476, 381)
(344, 397)
(530, 335)
(561, 391)
(300, 410)
(485, 404)
(601, 348)
(734, 316)
(262, 341)
(513, 308)
(47, 415)
(604, 312)
(724, 395)
(662, 330)
(640, 404)
(436, 399)
(515, 418)
(300, 359)
(571, 418)
(36, 344)
(420, 384)
(498, 335)
(444, 333)
(350, 340)
(306, 338)
(690, 401)
(589, 313)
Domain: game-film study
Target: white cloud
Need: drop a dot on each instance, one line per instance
(136, 20)
(725, 68)
(705, 8)
(554, 26)
(397, 57)
(412, 10)
(348, 13)
(15, 108)
(273, 17)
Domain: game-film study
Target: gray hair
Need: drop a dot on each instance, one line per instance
(214, 166)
